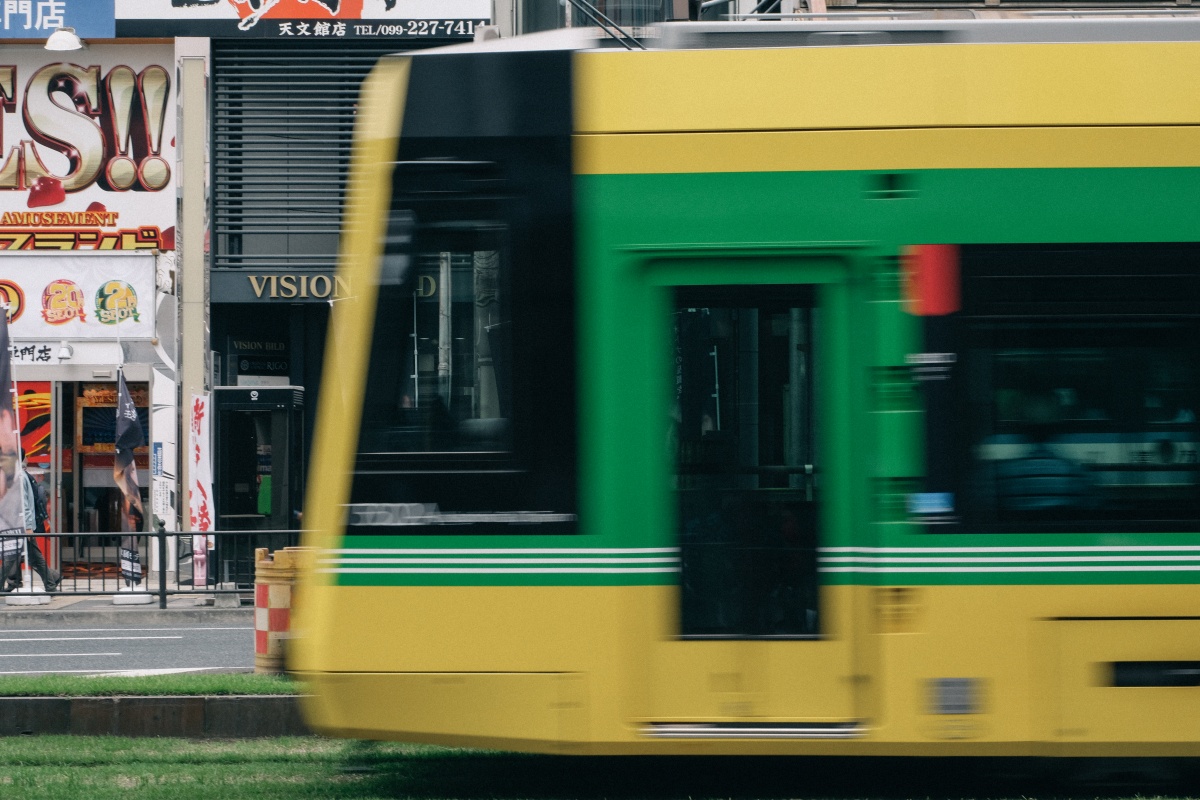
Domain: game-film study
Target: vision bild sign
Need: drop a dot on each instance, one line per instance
(88, 149)
(302, 19)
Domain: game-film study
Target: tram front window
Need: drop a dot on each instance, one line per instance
(742, 425)
(469, 407)
(439, 377)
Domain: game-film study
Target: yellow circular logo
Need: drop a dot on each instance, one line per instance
(62, 301)
(12, 296)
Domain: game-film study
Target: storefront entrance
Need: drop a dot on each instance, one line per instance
(67, 430)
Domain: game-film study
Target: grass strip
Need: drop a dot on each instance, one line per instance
(114, 768)
(193, 683)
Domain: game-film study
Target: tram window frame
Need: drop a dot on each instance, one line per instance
(409, 296)
(1051, 417)
(526, 481)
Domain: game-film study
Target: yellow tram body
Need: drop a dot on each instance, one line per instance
(758, 165)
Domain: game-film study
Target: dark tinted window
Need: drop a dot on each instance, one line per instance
(441, 366)
(742, 428)
(1074, 395)
(469, 417)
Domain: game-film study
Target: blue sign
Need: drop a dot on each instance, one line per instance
(156, 460)
(926, 504)
(37, 19)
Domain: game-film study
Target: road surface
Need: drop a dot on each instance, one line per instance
(126, 650)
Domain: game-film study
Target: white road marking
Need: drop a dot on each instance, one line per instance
(141, 673)
(87, 638)
(114, 628)
(54, 655)
(133, 673)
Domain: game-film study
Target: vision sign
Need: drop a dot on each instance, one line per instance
(86, 149)
(245, 286)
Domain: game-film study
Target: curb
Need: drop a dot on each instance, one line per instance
(215, 717)
(21, 617)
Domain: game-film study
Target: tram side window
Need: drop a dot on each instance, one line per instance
(742, 432)
(1079, 387)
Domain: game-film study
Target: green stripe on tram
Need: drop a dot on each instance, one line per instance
(626, 504)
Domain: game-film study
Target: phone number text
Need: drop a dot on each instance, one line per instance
(420, 27)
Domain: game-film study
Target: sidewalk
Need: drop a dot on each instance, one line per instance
(192, 717)
(189, 717)
(98, 610)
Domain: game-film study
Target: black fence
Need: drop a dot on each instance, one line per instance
(170, 563)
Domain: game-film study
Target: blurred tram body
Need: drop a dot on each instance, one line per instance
(819, 387)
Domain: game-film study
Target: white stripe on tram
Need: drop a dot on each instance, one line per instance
(498, 570)
(964, 568)
(518, 551)
(997, 559)
(662, 560)
(1050, 549)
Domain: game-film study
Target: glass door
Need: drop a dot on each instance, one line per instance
(761, 440)
(745, 463)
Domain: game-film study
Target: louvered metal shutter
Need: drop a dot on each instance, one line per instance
(282, 121)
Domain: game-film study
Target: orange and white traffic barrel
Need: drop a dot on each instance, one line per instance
(274, 578)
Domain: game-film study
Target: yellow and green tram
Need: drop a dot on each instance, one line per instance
(791, 387)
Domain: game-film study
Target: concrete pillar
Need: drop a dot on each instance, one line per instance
(193, 136)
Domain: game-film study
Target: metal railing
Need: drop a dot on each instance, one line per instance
(90, 563)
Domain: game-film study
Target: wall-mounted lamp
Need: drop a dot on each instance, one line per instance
(64, 39)
(65, 351)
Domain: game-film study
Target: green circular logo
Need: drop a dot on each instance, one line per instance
(116, 301)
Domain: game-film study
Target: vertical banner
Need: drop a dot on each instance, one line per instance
(12, 501)
(33, 414)
(129, 437)
(200, 487)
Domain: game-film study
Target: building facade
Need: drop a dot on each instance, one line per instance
(170, 202)
(87, 227)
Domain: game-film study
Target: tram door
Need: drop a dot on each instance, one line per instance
(760, 418)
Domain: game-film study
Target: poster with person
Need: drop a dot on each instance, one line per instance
(129, 436)
(12, 503)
